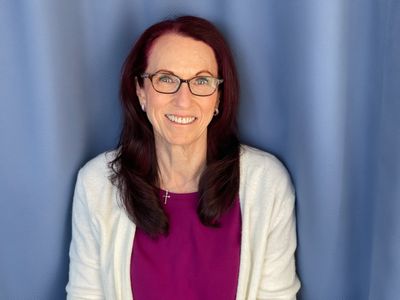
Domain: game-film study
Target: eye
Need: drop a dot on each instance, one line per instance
(202, 81)
(165, 78)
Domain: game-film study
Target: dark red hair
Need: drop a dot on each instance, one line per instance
(135, 167)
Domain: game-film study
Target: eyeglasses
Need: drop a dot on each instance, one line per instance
(167, 83)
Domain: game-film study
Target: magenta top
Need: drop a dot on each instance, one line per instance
(193, 261)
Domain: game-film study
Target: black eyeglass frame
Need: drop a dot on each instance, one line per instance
(150, 76)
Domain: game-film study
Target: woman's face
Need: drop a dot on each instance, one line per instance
(180, 118)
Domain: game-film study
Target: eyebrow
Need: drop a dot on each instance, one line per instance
(172, 73)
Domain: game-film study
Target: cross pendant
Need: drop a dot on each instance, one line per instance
(166, 196)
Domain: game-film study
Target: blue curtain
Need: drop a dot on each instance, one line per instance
(320, 89)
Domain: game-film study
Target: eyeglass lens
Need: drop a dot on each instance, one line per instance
(199, 85)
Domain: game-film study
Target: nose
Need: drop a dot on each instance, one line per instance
(183, 97)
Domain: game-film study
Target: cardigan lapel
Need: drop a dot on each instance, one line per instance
(244, 248)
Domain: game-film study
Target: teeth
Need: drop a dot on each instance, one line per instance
(180, 120)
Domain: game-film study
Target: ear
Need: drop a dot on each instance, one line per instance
(140, 93)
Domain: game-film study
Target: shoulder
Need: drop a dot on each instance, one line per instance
(255, 160)
(94, 185)
(264, 179)
(98, 168)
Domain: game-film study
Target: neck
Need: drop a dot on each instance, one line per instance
(180, 166)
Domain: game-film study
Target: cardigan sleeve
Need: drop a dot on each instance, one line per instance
(279, 279)
(84, 272)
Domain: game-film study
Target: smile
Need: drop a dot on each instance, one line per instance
(180, 120)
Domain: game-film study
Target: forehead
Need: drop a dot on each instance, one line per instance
(181, 55)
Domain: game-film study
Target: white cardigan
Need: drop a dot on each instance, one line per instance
(102, 234)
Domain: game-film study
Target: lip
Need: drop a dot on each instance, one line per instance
(180, 120)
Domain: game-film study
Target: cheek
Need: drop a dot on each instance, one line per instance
(208, 113)
(213, 104)
(151, 97)
(154, 109)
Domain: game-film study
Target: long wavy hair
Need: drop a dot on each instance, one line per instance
(135, 168)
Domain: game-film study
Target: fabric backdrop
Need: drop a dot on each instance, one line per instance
(320, 89)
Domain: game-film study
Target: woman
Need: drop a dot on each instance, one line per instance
(181, 210)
